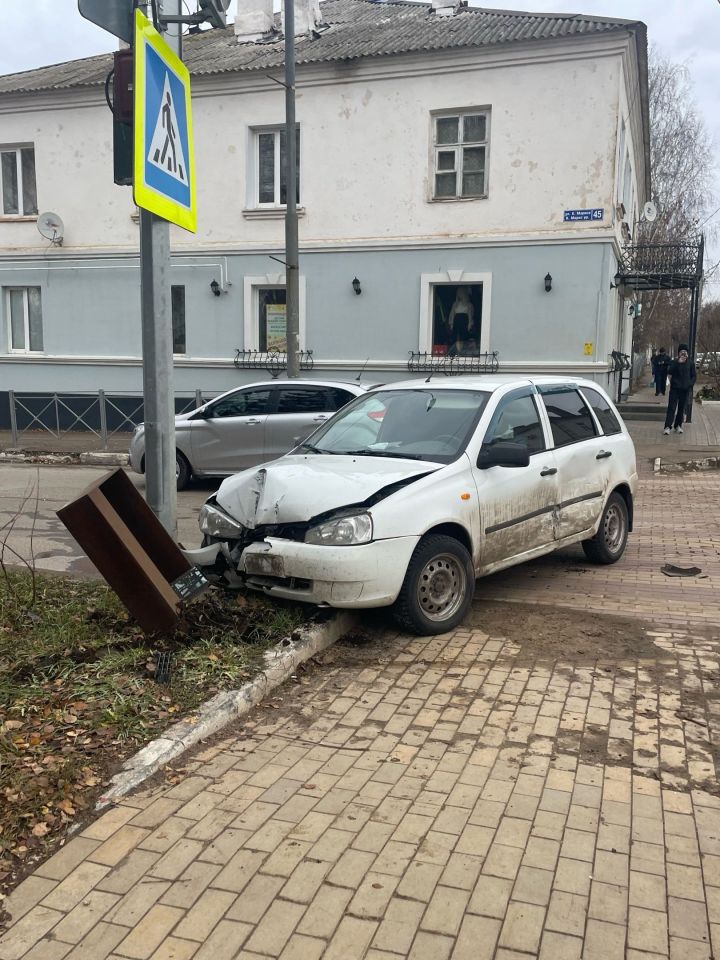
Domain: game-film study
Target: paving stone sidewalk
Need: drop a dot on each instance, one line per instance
(456, 797)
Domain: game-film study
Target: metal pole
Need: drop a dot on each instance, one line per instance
(292, 309)
(157, 341)
(103, 417)
(13, 417)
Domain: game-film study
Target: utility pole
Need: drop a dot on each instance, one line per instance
(157, 344)
(292, 309)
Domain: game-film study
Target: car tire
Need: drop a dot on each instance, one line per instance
(608, 544)
(438, 587)
(183, 472)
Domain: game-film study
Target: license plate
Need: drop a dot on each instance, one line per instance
(264, 564)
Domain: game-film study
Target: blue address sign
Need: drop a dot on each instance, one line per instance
(572, 216)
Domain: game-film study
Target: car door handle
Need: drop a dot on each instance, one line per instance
(319, 419)
(603, 455)
(253, 422)
(548, 472)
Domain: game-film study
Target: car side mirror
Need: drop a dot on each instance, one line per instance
(504, 453)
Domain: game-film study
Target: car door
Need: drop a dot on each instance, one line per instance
(517, 504)
(231, 435)
(580, 459)
(300, 409)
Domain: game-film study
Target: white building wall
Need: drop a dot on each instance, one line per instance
(366, 133)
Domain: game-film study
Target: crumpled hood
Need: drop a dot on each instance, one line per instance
(299, 487)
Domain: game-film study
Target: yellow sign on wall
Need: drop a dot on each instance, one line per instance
(589, 349)
(164, 167)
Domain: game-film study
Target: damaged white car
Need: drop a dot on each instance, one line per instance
(414, 490)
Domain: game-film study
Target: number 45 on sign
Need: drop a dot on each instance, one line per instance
(164, 165)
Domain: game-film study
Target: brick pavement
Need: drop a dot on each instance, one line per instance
(676, 521)
(453, 798)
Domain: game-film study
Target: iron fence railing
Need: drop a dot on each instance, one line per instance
(450, 365)
(99, 414)
(272, 361)
(620, 361)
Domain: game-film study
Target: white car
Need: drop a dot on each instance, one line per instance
(414, 489)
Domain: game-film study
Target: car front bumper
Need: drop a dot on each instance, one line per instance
(367, 575)
(137, 451)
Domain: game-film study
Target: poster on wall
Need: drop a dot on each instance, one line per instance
(276, 327)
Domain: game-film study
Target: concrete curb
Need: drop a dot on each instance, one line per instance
(98, 458)
(687, 466)
(280, 663)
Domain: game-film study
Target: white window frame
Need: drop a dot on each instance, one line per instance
(436, 148)
(251, 324)
(430, 280)
(26, 321)
(16, 148)
(253, 200)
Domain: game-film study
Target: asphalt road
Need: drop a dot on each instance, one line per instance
(37, 492)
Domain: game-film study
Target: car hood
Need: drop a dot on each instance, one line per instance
(297, 488)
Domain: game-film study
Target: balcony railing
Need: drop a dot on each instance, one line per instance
(449, 365)
(270, 360)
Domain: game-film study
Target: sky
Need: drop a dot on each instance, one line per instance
(40, 32)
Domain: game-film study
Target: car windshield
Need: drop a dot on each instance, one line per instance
(422, 424)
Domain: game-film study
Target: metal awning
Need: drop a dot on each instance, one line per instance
(662, 266)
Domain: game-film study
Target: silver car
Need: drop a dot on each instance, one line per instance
(248, 425)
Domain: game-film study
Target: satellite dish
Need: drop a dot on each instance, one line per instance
(650, 212)
(51, 227)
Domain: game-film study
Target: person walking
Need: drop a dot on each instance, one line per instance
(682, 380)
(662, 361)
(653, 356)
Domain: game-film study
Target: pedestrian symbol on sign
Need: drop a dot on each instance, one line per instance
(166, 150)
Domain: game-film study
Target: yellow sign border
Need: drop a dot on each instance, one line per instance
(145, 196)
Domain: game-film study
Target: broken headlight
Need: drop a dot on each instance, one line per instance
(342, 531)
(216, 523)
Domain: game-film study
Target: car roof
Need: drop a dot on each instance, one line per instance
(353, 385)
(490, 382)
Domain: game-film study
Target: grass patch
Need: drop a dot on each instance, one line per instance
(78, 694)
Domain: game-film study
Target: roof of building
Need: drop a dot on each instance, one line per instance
(355, 29)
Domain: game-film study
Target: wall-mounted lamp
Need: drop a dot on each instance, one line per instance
(216, 288)
(356, 286)
(548, 283)
(617, 281)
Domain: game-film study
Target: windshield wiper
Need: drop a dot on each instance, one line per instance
(314, 449)
(366, 452)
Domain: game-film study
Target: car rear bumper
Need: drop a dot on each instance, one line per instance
(368, 575)
(137, 452)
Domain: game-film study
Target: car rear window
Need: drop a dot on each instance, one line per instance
(603, 411)
(570, 418)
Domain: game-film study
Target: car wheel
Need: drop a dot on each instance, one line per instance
(608, 544)
(182, 470)
(438, 587)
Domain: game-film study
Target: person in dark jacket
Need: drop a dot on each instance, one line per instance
(682, 380)
(662, 362)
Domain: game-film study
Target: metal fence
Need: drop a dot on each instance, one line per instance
(96, 413)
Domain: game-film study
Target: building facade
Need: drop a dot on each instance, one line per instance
(444, 155)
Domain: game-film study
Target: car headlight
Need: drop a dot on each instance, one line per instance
(140, 428)
(216, 523)
(342, 531)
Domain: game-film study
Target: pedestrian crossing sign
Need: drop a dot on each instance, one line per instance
(164, 167)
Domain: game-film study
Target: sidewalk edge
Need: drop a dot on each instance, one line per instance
(281, 662)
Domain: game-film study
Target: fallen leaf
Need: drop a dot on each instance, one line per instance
(66, 807)
(40, 829)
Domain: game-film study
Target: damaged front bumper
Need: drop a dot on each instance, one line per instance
(367, 575)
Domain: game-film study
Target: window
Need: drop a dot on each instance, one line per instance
(269, 150)
(177, 301)
(570, 417)
(272, 322)
(517, 420)
(247, 403)
(603, 411)
(456, 319)
(18, 194)
(302, 400)
(24, 313)
(338, 398)
(264, 306)
(460, 145)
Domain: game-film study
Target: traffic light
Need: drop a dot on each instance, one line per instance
(215, 11)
